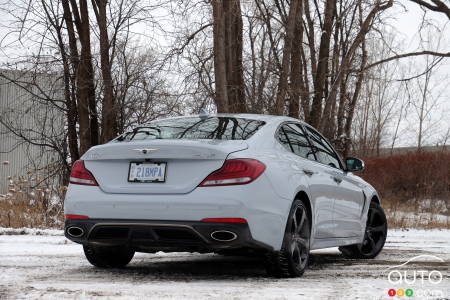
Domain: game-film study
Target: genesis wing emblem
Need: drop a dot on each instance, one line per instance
(146, 151)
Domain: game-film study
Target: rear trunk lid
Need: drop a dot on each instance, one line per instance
(188, 162)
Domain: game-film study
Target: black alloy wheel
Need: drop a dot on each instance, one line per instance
(374, 236)
(292, 260)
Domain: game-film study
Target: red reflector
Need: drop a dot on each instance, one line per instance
(235, 171)
(225, 220)
(81, 175)
(75, 217)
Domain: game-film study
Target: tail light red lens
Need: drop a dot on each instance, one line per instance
(234, 172)
(75, 217)
(81, 175)
(225, 220)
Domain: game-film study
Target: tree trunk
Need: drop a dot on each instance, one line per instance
(297, 84)
(285, 64)
(228, 69)
(322, 64)
(220, 69)
(71, 110)
(109, 109)
(69, 81)
(233, 56)
(353, 102)
(87, 110)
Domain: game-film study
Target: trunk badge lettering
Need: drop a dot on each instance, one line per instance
(145, 151)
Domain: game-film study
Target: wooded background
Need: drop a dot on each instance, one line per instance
(106, 65)
(332, 63)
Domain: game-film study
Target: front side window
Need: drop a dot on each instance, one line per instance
(195, 128)
(295, 140)
(324, 153)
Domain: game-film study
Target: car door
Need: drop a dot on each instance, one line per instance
(321, 185)
(348, 197)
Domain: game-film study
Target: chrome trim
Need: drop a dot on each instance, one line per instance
(146, 151)
(75, 235)
(226, 240)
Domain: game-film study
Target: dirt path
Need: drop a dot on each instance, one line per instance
(50, 267)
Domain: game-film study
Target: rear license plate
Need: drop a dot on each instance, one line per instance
(147, 172)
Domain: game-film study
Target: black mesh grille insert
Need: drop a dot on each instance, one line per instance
(175, 234)
(144, 233)
(111, 233)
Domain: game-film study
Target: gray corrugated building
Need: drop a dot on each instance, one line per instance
(30, 106)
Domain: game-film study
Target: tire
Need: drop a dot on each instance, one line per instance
(374, 236)
(108, 257)
(292, 260)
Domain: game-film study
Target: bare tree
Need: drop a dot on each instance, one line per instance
(292, 21)
(109, 107)
(435, 5)
(425, 100)
(227, 19)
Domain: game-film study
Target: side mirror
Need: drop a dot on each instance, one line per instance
(354, 164)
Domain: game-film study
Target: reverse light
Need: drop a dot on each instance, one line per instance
(75, 217)
(234, 172)
(225, 220)
(81, 175)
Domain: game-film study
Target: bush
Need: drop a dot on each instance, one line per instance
(32, 200)
(415, 182)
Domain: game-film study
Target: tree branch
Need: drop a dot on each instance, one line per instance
(425, 52)
(438, 6)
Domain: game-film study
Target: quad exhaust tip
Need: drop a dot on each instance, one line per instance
(75, 231)
(223, 236)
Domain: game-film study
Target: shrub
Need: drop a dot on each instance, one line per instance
(415, 182)
(32, 200)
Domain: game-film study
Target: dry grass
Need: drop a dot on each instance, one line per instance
(32, 201)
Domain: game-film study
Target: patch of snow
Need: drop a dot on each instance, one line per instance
(54, 200)
(49, 266)
(412, 219)
(30, 231)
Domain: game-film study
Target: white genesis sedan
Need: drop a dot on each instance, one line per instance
(228, 183)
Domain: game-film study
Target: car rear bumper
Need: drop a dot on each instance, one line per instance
(152, 236)
(265, 211)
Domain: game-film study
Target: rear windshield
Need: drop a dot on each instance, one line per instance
(195, 128)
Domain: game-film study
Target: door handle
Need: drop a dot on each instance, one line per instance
(308, 172)
(337, 179)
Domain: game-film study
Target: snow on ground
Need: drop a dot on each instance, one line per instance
(44, 265)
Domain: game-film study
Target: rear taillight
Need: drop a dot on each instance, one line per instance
(75, 217)
(235, 171)
(225, 220)
(81, 175)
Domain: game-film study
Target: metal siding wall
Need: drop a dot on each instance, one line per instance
(16, 100)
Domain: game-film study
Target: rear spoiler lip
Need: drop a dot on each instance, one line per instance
(190, 149)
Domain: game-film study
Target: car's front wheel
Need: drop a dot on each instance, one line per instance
(292, 259)
(374, 236)
(108, 257)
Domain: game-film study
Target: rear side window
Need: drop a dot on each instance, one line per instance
(324, 152)
(294, 139)
(195, 128)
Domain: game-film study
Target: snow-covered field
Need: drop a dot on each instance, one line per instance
(44, 265)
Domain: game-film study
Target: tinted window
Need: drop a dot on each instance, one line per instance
(324, 153)
(283, 140)
(298, 143)
(193, 128)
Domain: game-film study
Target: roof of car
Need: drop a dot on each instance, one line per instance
(261, 117)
